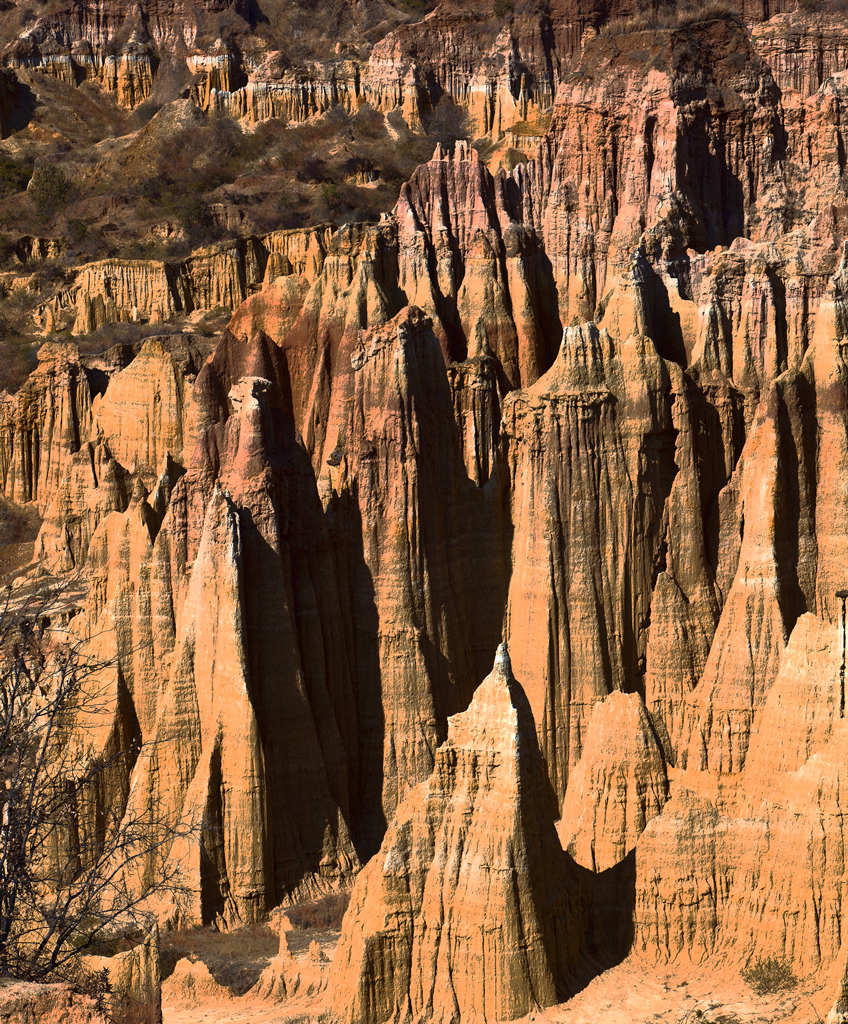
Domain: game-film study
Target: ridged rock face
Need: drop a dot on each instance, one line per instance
(736, 677)
(466, 911)
(731, 872)
(115, 44)
(235, 717)
(143, 414)
(31, 1003)
(403, 507)
(152, 291)
(803, 51)
(135, 994)
(589, 541)
(595, 407)
(618, 785)
(501, 73)
(466, 262)
(43, 425)
(642, 154)
(136, 431)
(498, 73)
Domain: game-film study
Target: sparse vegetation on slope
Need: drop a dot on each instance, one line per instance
(769, 975)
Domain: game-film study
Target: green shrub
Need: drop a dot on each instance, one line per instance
(50, 188)
(772, 974)
(330, 195)
(14, 175)
(77, 230)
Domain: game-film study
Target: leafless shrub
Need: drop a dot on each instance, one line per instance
(75, 863)
(769, 974)
(324, 914)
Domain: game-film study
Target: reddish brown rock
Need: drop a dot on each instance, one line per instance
(423, 549)
(143, 416)
(466, 910)
(244, 568)
(27, 1002)
(303, 551)
(585, 543)
(43, 425)
(135, 993)
(756, 868)
(617, 786)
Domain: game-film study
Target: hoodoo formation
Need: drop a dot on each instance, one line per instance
(468, 902)
(350, 347)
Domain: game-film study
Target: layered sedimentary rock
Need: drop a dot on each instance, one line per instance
(33, 1003)
(134, 447)
(803, 49)
(736, 677)
(275, 90)
(42, 426)
(143, 416)
(589, 541)
(237, 735)
(618, 785)
(595, 406)
(466, 911)
(135, 995)
(155, 291)
(403, 507)
(116, 44)
(758, 869)
(94, 485)
(465, 261)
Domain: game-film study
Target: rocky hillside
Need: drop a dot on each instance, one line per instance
(372, 340)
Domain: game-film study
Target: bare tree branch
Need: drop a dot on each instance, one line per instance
(75, 861)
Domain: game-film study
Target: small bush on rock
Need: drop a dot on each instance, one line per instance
(769, 975)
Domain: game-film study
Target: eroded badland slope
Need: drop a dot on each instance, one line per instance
(321, 425)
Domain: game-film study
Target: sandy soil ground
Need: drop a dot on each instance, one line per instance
(628, 994)
(634, 993)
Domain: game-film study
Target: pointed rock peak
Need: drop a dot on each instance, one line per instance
(498, 714)
(139, 492)
(482, 814)
(151, 348)
(503, 664)
(168, 468)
